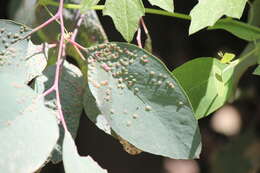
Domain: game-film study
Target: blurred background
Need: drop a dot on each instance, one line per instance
(230, 136)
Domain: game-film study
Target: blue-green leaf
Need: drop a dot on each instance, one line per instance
(71, 92)
(73, 162)
(28, 130)
(140, 100)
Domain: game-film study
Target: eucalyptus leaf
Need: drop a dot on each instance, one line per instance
(209, 86)
(207, 12)
(239, 29)
(164, 4)
(140, 100)
(20, 56)
(126, 15)
(73, 162)
(28, 130)
(71, 92)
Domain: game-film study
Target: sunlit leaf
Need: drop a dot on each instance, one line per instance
(73, 162)
(71, 91)
(134, 92)
(207, 12)
(126, 15)
(28, 130)
(209, 86)
(164, 4)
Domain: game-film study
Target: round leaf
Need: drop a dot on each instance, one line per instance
(28, 131)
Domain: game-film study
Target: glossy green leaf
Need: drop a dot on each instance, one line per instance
(257, 70)
(207, 12)
(239, 29)
(227, 58)
(164, 4)
(87, 4)
(134, 91)
(209, 86)
(28, 130)
(254, 12)
(71, 91)
(126, 15)
(73, 162)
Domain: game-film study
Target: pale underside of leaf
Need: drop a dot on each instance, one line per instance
(71, 92)
(28, 130)
(126, 15)
(164, 4)
(207, 12)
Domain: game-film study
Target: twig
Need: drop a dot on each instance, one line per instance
(75, 32)
(138, 38)
(60, 59)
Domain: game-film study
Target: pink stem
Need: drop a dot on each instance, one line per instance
(75, 44)
(144, 26)
(78, 51)
(61, 53)
(55, 17)
(138, 38)
(75, 32)
(59, 64)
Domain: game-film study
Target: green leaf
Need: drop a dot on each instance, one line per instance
(87, 4)
(257, 71)
(254, 12)
(164, 4)
(28, 130)
(20, 57)
(134, 91)
(71, 91)
(239, 29)
(207, 12)
(73, 162)
(209, 86)
(227, 58)
(126, 15)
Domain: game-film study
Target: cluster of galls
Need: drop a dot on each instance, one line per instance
(117, 61)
